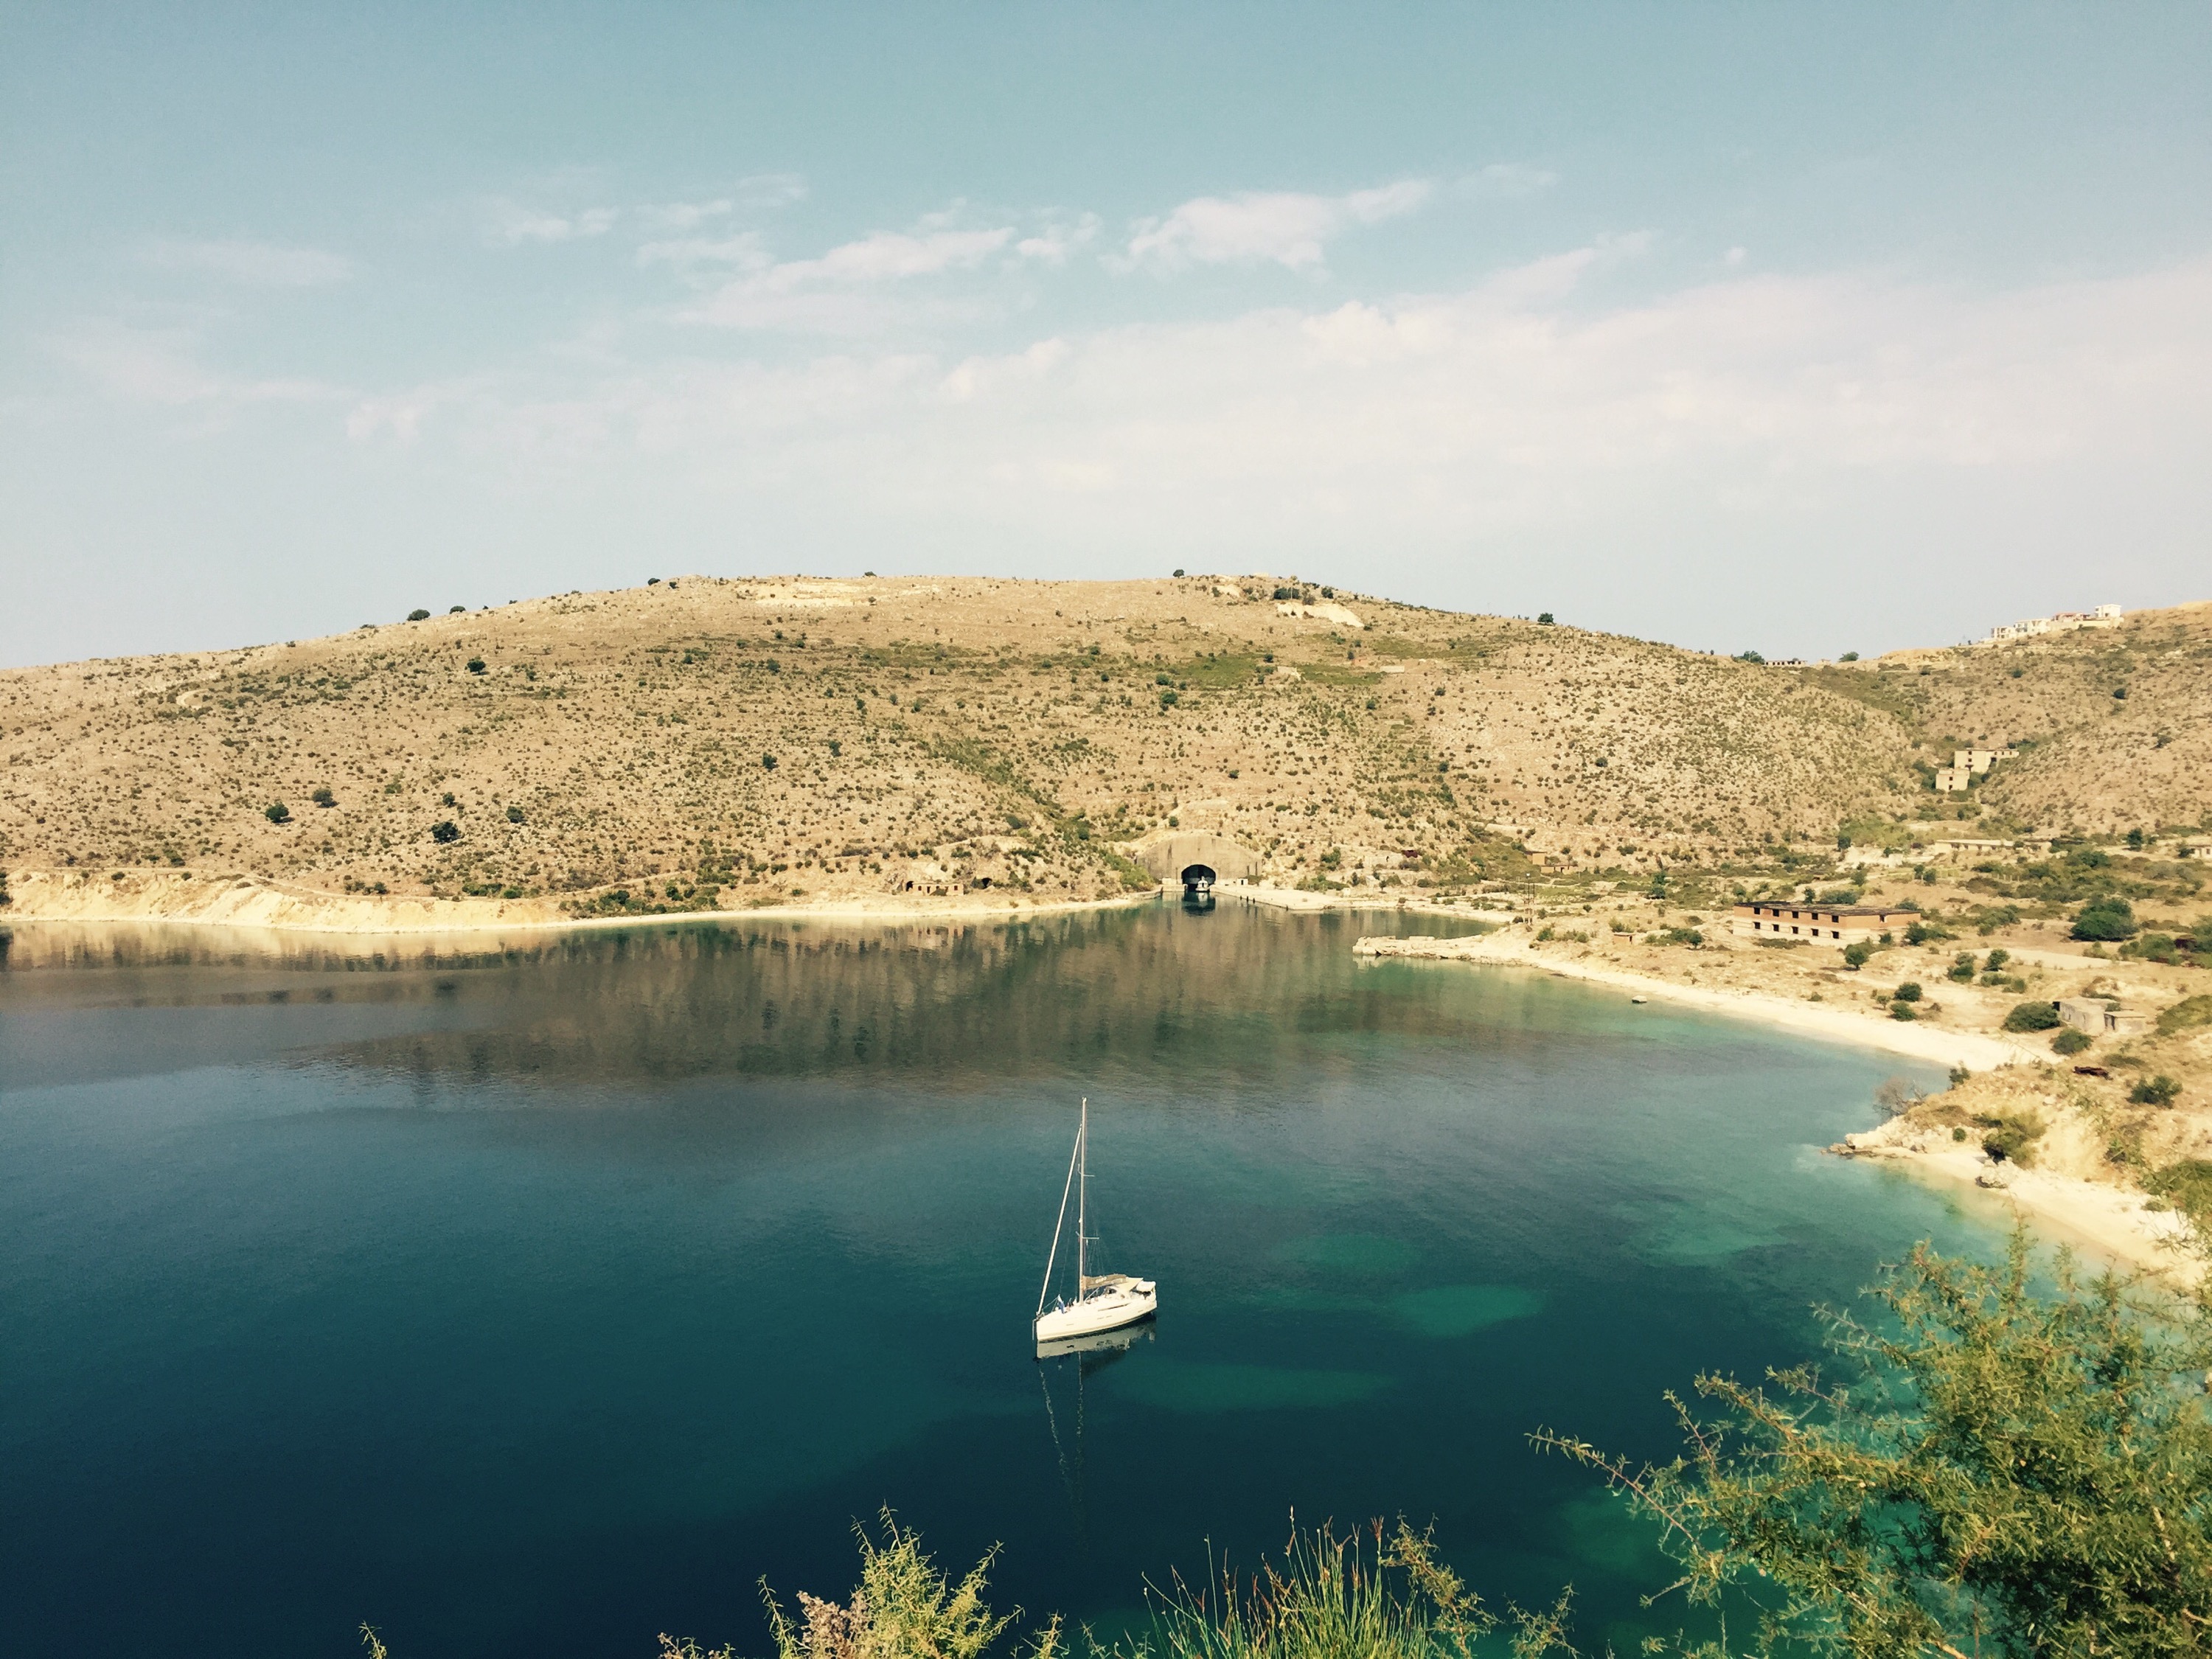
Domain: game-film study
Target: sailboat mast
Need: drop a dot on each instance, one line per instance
(1082, 1195)
(1059, 1223)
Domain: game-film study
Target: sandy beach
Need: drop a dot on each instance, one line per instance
(2103, 1222)
(1835, 1024)
(189, 899)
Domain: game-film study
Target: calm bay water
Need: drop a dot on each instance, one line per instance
(533, 1303)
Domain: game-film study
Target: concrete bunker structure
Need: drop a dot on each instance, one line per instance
(1197, 859)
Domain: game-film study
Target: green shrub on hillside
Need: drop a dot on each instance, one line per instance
(2105, 919)
(2010, 1137)
(2070, 1041)
(2032, 1016)
(2187, 1185)
(2193, 1011)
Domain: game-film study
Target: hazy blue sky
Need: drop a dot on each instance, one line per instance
(1807, 329)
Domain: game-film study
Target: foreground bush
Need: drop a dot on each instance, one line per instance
(1997, 1473)
(902, 1605)
(1390, 1598)
(1385, 1596)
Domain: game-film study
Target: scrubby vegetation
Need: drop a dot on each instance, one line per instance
(2010, 1137)
(1995, 1472)
(2108, 919)
(2186, 1015)
(874, 734)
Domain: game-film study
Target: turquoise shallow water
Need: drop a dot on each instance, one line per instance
(538, 1302)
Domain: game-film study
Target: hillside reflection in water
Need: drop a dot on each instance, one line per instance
(954, 1006)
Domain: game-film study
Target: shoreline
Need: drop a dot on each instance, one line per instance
(234, 899)
(1926, 1042)
(168, 898)
(2108, 1222)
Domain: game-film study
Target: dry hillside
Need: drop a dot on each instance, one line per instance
(2115, 725)
(750, 742)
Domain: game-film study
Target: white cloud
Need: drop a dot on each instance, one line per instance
(888, 256)
(672, 217)
(1279, 227)
(1053, 244)
(743, 252)
(1517, 414)
(1508, 181)
(764, 189)
(834, 292)
(978, 376)
(508, 223)
(167, 366)
(401, 416)
(264, 264)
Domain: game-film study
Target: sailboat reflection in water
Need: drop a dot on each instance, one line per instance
(1092, 1354)
(1105, 1302)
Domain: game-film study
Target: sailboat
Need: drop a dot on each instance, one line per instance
(1105, 1301)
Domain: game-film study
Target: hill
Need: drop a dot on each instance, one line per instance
(898, 741)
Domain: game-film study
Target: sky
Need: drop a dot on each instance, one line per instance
(1801, 329)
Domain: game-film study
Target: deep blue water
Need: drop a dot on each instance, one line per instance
(538, 1302)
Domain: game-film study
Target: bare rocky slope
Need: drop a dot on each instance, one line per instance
(716, 743)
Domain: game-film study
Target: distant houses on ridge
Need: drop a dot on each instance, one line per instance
(2063, 622)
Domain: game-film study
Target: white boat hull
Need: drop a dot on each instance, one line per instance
(1119, 1340)
(1103, 1310)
